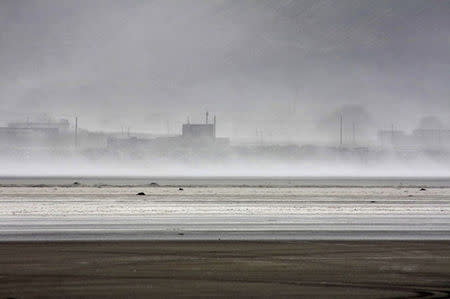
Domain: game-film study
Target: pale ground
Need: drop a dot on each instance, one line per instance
(215, 212)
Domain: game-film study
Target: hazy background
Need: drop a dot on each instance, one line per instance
(286, 68)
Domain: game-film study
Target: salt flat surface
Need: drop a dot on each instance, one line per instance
(84, 213)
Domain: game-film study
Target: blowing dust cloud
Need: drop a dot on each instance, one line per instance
(225, 88)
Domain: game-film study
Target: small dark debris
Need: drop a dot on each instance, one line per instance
(180, 189)
(76, 183)
(372, 201)
(180, 234)
(153, 184)
(423, 189)
(140, 193)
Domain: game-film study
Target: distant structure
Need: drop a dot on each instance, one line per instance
(56, 126)
(419, 138)
(194, 139)
(35, 133)
(205, 132)
(394, 138)
(56, 134)
(26, 132)
(76, 131)
(432, 137)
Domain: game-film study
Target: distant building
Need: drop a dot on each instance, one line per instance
(27, 134)
(432, 138)
(393, 138)
(199, 131)
(60, 125)
(420, 138)
(204, 131)
(194, 138)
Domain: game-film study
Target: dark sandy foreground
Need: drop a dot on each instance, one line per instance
(382, 269)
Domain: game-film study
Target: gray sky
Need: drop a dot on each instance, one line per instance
(281, 66)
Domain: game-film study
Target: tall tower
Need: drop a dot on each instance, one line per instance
(214, 126)
(76, 131)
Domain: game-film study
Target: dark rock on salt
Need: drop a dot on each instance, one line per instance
(423, 189)
(180, 189)
(140, 193)
(153, 184)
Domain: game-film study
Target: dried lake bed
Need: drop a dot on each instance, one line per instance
(83, 212)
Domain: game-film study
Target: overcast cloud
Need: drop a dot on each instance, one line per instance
(272, 65)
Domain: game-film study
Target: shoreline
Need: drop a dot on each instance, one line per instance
(226, 236)
(67, 181)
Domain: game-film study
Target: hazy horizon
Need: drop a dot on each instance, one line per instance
(273, 72)
(281, 67)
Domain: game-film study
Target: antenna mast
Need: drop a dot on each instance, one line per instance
(76, 131)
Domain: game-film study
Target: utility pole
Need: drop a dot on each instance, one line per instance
(439, 137)
(392, 134)
(76, 131)
(354, 135)
(214, 126)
